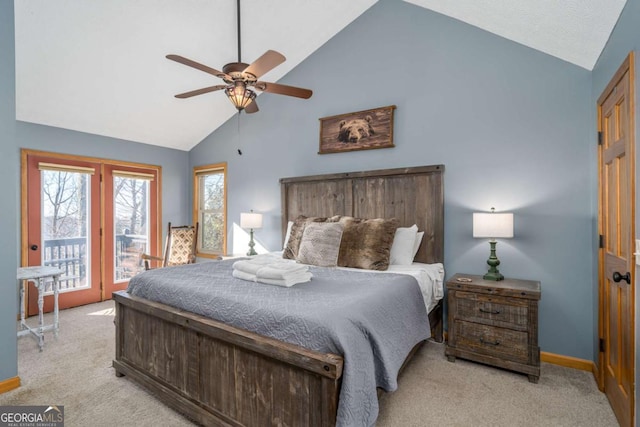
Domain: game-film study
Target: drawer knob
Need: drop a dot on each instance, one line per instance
(495, 343)
(483, 310)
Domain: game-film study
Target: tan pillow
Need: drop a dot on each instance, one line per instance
(366, 243)
(293, 244)
(320, 244)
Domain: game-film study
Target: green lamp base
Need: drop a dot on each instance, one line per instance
(251, 245)
(494, 262)
(493, 276)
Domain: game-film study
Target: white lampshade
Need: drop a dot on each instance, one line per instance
(493, 225)
(251, 220)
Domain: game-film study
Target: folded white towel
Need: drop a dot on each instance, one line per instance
(239, 274)
(291, 280)
(281, 271)
(270, 269)
(251, 265)
(269, 266)
(288, 282)
(246, 266)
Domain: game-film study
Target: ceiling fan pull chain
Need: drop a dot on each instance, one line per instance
(239, 143)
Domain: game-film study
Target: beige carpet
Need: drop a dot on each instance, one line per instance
(75, 371)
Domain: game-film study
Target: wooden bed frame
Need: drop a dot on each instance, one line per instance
(220, 375)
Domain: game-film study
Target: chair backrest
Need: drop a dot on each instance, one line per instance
(180, 247)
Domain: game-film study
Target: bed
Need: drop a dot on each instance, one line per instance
(218, 374)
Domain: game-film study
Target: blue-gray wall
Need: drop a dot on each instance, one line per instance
(512, 126)
(624, 39)
(9, 165)
(15, 135)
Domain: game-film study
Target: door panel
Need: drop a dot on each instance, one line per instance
(131, 201)
(63, 227)
(616, 213)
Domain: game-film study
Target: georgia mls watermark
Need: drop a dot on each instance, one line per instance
(32, 416)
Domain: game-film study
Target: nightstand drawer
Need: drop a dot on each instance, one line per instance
(492, 310)
(492, 341)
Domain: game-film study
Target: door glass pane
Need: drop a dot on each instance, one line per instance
(65, 226)
(131, 225)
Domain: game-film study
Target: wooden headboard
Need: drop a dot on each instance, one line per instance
(413, 195)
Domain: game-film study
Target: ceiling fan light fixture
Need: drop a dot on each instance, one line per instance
(239, 77)
(239, 95)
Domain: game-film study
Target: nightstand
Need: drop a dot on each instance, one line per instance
(494, 322)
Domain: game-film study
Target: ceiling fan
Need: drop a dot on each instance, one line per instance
(240, 77)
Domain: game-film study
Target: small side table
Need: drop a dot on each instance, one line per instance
(38, 276)
(494, 322)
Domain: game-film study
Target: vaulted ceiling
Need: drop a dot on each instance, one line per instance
(99, 66)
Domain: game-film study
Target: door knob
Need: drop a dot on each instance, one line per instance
(34, 247)
(618, 277)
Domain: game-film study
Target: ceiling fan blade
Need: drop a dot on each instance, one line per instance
(267, 62)
(198, 66)
(200, 91)
(283, 90)
(251, 108)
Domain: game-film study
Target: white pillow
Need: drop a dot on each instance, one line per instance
(287, 235)
(416, 245)
(403, 244)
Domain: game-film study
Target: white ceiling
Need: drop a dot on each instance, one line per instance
(573, 30)
(99, 66)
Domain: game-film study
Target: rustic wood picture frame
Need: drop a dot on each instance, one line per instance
(361, 130)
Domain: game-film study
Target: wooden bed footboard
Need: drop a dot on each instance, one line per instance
(220, 375)
(217, 374)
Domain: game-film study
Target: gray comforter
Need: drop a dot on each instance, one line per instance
(372, 320)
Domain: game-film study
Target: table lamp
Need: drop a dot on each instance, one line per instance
(493, 225)
(251, 221)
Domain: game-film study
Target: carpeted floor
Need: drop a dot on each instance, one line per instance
(75, 371)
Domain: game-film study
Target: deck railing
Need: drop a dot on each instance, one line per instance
(70, 255)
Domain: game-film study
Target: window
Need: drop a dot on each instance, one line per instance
(210, 208)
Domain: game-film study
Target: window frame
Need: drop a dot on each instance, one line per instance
(198, 171)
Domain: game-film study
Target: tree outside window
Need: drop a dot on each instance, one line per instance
(210, 208)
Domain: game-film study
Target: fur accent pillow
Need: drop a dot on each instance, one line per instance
(366, 243)
(320, 244)
(293, 244)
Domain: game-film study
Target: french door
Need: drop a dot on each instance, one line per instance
(92, 218)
